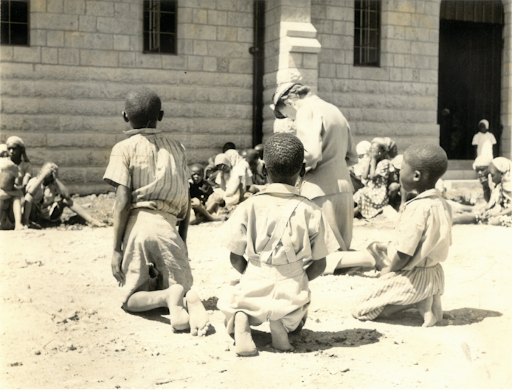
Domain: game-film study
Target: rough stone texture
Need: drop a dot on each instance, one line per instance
(506, 82)
(63, 95)
(398, 99)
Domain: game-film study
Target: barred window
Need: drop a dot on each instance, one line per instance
(160, 26)
(14, 23)
(367, 33)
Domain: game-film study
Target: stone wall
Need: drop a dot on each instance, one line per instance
(64, 94)
(506, 82)
(397, 99)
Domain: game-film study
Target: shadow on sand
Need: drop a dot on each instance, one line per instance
(454, 317)
(308, 341)
(162, 315)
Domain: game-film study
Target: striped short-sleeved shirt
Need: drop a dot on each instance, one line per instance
(154, 168)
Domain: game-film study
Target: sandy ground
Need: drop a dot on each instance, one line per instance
(62, 328)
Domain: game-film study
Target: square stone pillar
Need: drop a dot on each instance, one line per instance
(291, 53)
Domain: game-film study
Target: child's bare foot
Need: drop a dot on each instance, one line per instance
(20, 227)
(280, 337)
(437, 307)
(425, 309)
(199, 319)
(244, 344)
(179, 316)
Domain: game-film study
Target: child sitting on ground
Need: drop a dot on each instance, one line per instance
(498, 210)
(150, 259)
(259, 180)
(200, 190)
(356, 171)
(233, 179)
(16, 148)
(271, 236)
(210, 172)
(394, 193)
(10, 196)
(373, 197)
(47, 196)
(415, 277)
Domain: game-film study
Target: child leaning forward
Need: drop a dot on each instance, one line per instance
(272, 236)
(415, 277)
(150, 259)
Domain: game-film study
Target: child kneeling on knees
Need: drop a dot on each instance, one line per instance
(414, 277)
(47, 196)
(150, 259)
(272, 236)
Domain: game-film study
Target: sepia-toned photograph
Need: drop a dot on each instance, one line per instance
(255, 194)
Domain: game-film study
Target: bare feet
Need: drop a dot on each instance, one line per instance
(425, 309)
(244, 345)
(280, 337)
(179, 316)
(199, 319)
(437, 307)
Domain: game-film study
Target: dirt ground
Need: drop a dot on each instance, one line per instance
(60, 325)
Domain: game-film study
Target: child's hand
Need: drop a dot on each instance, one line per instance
(117, 260)
(49, 169)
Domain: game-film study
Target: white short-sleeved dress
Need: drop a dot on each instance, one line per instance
(278, 232)
(374, 196)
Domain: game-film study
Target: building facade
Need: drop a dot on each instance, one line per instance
(63, 88)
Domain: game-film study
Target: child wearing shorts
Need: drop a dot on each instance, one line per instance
(150, 259)
(272, 236)
(415, 277)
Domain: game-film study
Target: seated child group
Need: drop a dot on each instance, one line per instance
(278, 240)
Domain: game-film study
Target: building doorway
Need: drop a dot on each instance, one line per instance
(470, 46)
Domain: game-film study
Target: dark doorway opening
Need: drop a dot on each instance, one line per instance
(469, 84)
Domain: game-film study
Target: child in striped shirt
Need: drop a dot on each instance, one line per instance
(414, 277)
(150, 259)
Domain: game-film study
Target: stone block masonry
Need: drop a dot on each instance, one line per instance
(397, 99)
(64, 94)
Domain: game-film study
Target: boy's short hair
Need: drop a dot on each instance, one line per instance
(142, 106)
(252, 154)
(196, 167)
(283, 155)
(428, 159)
(227, 146)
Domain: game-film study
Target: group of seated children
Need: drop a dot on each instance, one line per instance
(30, 201)
(229, 178)
(376, 177)
(496, 208)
